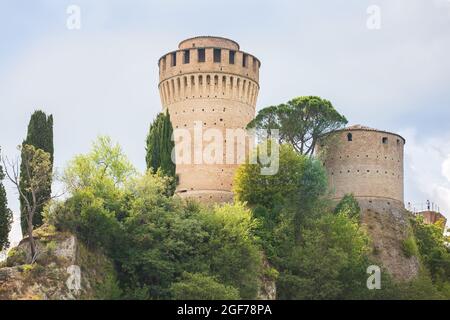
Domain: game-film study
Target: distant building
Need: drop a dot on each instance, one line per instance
(432, 217)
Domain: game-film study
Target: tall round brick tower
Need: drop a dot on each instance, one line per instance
(208, 83)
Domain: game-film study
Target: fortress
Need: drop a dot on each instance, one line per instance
(367, 163)
(211, 82)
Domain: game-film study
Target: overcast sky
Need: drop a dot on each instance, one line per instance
(102, 79)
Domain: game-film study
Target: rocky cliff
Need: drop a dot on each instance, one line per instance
(64, 270)
(389, 228)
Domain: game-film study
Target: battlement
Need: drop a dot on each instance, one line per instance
(209, 56)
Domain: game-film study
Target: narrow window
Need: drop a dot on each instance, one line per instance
(244, 60)
(201, 55)
(232, 56)
(349, 137)
(398, 142)
(385, 140)
(217, 55)
(187, 56)
(174, 59)
(255, 64)
(164, 63)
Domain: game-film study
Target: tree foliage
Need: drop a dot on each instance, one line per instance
(160, 145)
(300, 121)
(349, 206)
(155, 239)
(202, 287)
(295, 191)
(40, 136)
(36, 169)
(433, 247)
(329, 263)
(299, 178)
(5, 215)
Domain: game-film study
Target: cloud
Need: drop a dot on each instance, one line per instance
(93, 84)
(103, 79)
(446, 168)
(427, 170)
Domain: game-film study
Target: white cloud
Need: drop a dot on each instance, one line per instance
(103, 79)
(427, 170)
(446, 168)
(92, 84)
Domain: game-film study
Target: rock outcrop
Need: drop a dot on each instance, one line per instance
(389, 227)
(64, 270)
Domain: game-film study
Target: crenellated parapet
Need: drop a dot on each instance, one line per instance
(209, 67)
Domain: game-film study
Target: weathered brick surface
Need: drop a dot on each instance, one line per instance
(365, 166)
(220, 95)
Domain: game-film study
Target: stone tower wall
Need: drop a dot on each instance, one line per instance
(217, 94)
(370, 165)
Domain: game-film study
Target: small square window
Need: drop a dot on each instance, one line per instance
(385, 140)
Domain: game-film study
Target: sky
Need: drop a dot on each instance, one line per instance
(102, 79)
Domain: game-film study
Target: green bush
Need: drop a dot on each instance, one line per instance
(202, 287)
(409, 247)
(152, 237)
(16, 257)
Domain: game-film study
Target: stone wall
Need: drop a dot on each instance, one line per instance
(365, 162)
(219, 92)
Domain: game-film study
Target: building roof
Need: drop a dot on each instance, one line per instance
(210, 37)
(359, 127)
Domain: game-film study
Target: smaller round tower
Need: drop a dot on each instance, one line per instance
(365, 162)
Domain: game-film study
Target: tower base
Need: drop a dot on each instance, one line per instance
(207, 196)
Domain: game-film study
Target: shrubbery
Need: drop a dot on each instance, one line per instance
(202, 287)
(162, 247)
(166, 248)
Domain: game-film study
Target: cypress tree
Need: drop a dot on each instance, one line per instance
(160, 145)
(5, 215)
(39, 135)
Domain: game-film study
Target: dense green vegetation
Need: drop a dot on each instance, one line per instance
(5, 214)
(282, 227)
(320, 250)
(432, 246)
(320, 253)
(40, 136)
(162, 247)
